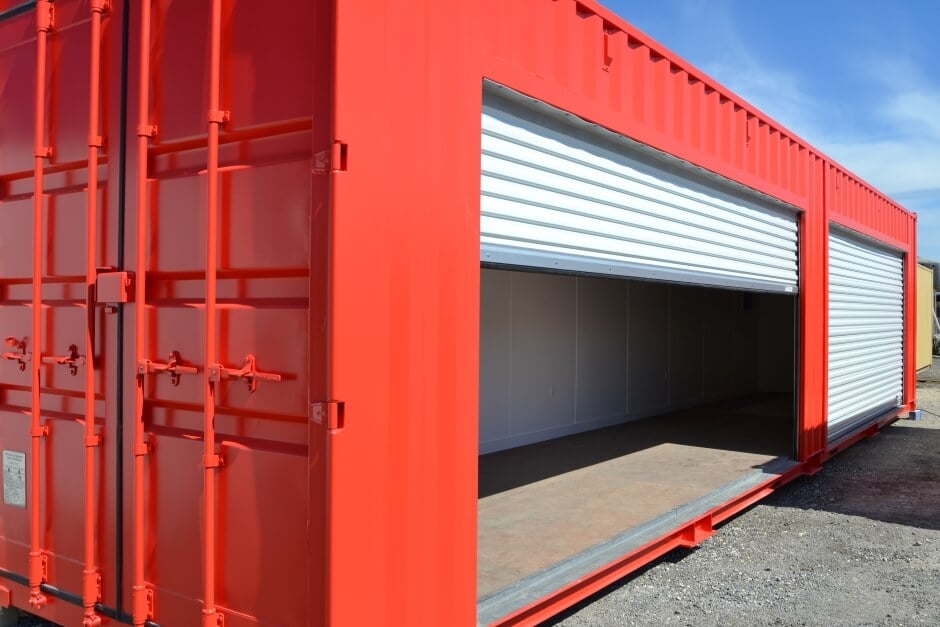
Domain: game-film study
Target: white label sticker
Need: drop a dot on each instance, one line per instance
(14, 478)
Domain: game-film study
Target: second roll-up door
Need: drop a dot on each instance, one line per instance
(561, 194)
(866, 332)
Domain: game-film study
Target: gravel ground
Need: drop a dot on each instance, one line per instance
(856, 544)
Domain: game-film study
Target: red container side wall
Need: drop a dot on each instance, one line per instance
(404, 339)
(861, 209)
(581, 58)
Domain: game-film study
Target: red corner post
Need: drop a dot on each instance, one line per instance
(910, 316)
(318, 435)
(813, 382)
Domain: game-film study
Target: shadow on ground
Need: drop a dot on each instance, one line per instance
(893, 477)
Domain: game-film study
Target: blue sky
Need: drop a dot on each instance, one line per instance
(858, 80)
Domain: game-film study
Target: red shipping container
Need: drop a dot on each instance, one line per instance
(242, 374)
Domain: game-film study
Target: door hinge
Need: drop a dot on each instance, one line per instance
(330, 414)
(91, 585)
(142, 603)
(331, 160)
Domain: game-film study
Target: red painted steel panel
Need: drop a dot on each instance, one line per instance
(404, 313)
(74, 513)
(728, 136)
(239, 553)
(345, 188)
(814, 326)
(910, 317)
(263, 300)
(862, 209)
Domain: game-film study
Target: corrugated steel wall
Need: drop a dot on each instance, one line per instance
(862, 208)
(620, 78)
(603, 69)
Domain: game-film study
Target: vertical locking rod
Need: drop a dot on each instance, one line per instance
(142, 595)
(91, 578)
(211, 616)
(37, 558)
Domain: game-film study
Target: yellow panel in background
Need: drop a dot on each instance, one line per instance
(925, 313)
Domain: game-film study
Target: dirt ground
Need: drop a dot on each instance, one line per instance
(856, 544)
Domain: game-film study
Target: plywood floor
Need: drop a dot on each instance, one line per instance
(543, 503)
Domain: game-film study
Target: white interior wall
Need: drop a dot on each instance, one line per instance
(719, 338)
(601, 341)
(561, 354)
(776, 338)
(647, 352)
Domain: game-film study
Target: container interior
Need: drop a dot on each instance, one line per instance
(611, 408)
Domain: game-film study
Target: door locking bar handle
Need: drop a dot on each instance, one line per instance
(248, 372)
(19, 353)
(73, 360)
(174, 367)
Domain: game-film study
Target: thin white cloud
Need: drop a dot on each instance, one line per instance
(918, 111)
(902, 152)
(888, 133)
(893, 142)
(900, 149)
(779, 92)
(896, 166)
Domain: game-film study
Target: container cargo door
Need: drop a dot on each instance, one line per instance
(60, 155)
(559, 193)
(218, 236)
(866, 332)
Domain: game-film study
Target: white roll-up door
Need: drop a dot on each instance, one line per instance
(866, 332)
(561, 194)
